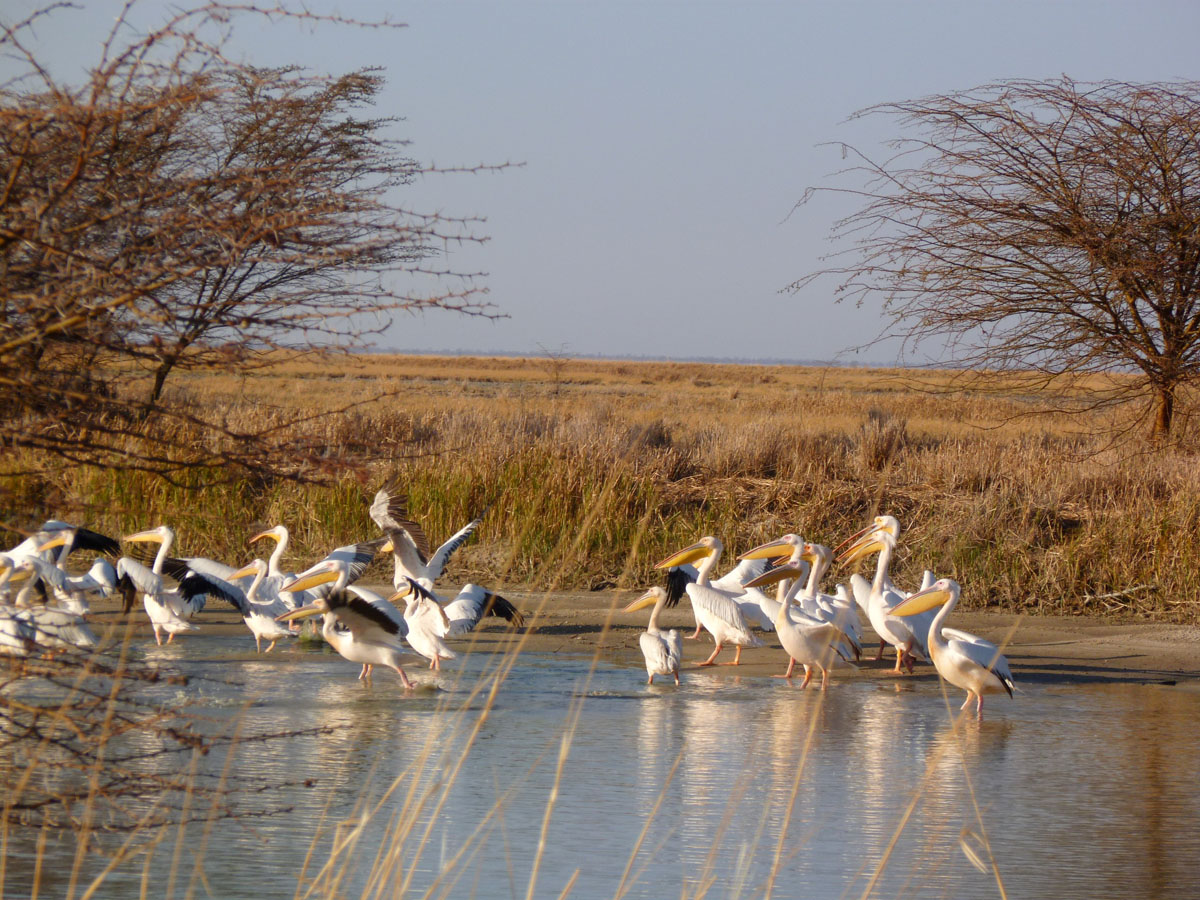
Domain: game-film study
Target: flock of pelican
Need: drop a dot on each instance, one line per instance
(43, 608)
(815, 628)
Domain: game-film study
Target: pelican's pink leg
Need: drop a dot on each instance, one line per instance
(879, 655)
(407, 684)
(788, 673)
(807, 676)
(737, 656)
(709, 661)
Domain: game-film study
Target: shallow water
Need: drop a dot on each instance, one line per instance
(724, 787)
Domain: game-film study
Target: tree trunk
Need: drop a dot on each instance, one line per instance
(1165, 411)
(160, 377)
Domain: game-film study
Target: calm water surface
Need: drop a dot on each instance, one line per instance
(724, 787)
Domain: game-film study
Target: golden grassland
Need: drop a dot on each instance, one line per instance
(593, 470)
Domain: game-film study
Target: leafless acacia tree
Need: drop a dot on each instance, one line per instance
(1045, 227)
(184, 209)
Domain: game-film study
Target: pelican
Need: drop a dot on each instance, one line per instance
(279, 534)
(50, 627)
(754, 610)
(809, 641)
(472, 604)
(71, 590)
(169, 611)
(19, 630)
(410, 546)
(81, 539)
(905, 635)
(427, 623)
(966, 661)
(373, 631)
(262, 604)
(662, 649)
(716, 610)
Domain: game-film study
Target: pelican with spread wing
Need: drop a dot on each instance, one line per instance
(366, 631)
(410, 546)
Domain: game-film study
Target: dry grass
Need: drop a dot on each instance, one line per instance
(595, 470)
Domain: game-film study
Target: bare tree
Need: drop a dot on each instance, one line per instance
(1045, 227)
(183, 209)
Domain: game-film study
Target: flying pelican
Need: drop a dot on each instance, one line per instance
(52, 627)
(427, 623)
(716, 610)
(262, 604)
(662, 649)
(410, 546)
(373, 632)
(169, 611)
(905, 635)
(809, 641)
(964, 660)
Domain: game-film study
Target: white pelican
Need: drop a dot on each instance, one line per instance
(81, 539)
(262, 604)
(964, 660)
(472, 604)
(905, 635)
(427, 623)
(279, 534)
(372, 634)
(809, 641)
(71, 590)
(410, 546)
(663, 650)
(50, 627)
(716, 610)
(169, 611)
(756, 613)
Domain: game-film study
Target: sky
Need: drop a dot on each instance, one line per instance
(663, 147)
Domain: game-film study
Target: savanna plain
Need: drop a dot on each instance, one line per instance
(1073, 537)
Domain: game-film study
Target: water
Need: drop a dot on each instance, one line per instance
(725, 787)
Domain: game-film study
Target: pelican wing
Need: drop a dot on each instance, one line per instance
(721, 606)
(363, 614)
(678, 578)
(661, 655)
(194, 588)
(473, 603)
(982, 652)
(136, 575)
(390, 512)
(745, 570)
(441, 556)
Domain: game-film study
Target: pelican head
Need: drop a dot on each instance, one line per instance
(59, 539)
(278, 534)
(159, 535)
(322, 573)
(318, 607)
(784, 547)
(647, 599)
(873, 541)
(942, 591)
(706, 546)
(890, 524)
(254, 567)
(776, 575)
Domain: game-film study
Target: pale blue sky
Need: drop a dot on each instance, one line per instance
(665, 143)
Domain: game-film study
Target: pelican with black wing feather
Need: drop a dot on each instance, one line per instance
(410, 546)
(368, 632)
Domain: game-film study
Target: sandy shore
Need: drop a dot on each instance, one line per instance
(1039, 649)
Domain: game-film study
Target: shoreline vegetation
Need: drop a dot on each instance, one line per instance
(591, 471)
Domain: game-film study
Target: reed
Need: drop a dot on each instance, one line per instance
(592, 471)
